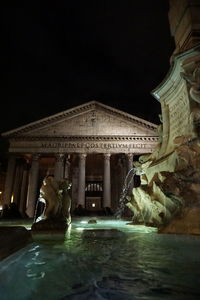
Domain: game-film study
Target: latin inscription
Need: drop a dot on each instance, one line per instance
(179, 116)
(95, 145)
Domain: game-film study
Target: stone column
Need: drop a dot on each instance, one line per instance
(59, 166)
(23, 193)
(17, 182)
(81, 180)
(129, 161)
(74, 191)
(129, 167)
(33, 186)
(9, 180)
(67, 168)
(106, 181)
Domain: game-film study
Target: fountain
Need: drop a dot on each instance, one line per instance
(56, 214)
(129, 179)
(149, 204)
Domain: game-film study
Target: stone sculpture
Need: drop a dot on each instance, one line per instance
(169, 194)
(194, 81)
(57, 203)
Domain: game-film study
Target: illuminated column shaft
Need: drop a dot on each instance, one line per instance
(59, 167)
(106, 182)
(17, 183)
(23, 194)
(129, 167)
(33, 185)
(9, 180)
(81, 180)
(67, 169)
(130, 161)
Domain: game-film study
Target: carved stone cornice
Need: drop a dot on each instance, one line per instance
(89, 138)
(175, 96)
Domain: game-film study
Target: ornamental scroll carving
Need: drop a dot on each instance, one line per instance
(193, 79)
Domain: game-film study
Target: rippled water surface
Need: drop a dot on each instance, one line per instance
(132, 262)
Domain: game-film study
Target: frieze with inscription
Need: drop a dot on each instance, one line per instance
(93, 145)
(91, 128)
(86, 146)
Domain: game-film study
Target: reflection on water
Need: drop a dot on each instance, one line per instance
(132, 263)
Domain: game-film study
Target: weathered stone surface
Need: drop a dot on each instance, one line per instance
(50, 229)
(169, 196)
(56, 215)
(89, 128)
(187, 223)
(184, 23)
(49, 225)
(12, 239)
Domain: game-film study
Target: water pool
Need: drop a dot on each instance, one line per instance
(132, 263)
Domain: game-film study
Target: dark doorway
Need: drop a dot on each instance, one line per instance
(93, 195)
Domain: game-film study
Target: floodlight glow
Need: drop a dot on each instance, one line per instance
(93, 205)
(80, 228)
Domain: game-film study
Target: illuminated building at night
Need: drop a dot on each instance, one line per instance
(93, 145)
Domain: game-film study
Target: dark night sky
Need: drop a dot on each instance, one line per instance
(59, 54)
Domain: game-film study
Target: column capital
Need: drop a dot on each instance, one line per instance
(82, 156)
(107, 156)
(36, 156)
(67, 156)
(60, 157)
(129, 156)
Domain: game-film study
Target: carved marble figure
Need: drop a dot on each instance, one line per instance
(55, 195)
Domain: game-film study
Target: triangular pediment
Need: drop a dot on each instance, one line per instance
(90, 119)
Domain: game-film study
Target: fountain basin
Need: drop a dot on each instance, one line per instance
(12, 239)
(102, 233)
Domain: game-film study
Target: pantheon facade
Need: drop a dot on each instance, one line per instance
(92, 145)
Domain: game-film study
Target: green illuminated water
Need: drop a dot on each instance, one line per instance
(134, 263)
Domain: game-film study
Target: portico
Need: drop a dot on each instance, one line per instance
(93, 145)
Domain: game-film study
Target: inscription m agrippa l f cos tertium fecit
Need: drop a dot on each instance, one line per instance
(95, 145)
